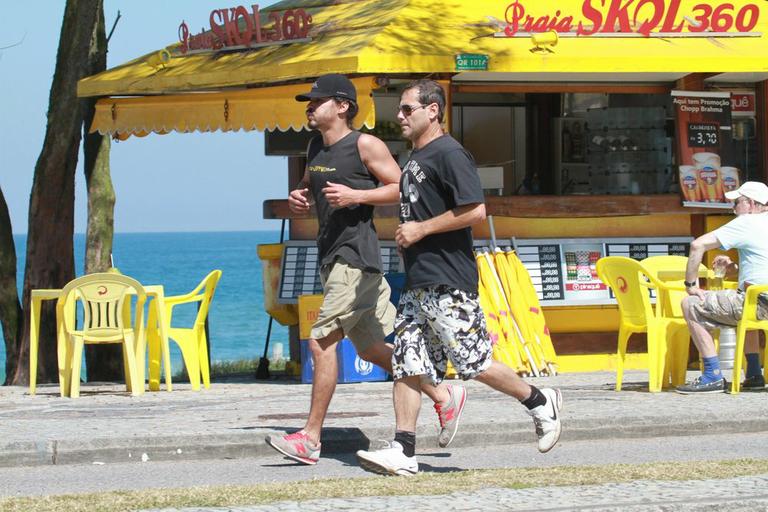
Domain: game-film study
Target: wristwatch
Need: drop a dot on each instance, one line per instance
(689, 284)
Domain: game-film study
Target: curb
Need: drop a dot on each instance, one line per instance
(345, 440)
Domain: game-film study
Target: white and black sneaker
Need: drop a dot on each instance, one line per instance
(388, 461)
(547, 419)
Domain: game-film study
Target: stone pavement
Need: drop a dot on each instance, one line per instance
(732, 494)
(230, 420)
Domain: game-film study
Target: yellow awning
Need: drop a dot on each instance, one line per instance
(265, 108)
(408, 37)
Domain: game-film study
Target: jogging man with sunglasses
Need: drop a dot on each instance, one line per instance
(347, 174)
(439, 317)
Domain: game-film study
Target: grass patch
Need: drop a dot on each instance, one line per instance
(230, 368)
(422, 484)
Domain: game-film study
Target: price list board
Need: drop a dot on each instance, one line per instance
(390, 259)
(639, 250)
(545, 268)
(564, 271)
(300, 269)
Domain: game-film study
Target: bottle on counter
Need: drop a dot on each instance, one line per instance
(577, 142)
(567, 144)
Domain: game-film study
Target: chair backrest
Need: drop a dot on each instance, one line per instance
(626, 277)
(208, 288)
(654, 264)
(103, 296)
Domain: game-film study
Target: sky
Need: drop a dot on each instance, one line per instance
(176, 182)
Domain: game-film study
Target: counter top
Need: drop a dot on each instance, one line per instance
(542, 206)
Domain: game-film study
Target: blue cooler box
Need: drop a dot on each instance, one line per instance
(396, 282)
(351, 367)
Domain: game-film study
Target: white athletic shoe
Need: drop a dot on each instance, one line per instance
(388, 461)
(547, 419)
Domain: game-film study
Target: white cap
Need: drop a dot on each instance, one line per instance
(753, 190)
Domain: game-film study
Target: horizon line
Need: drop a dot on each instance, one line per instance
(173, 232)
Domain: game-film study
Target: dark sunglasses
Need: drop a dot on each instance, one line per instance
(407, 110)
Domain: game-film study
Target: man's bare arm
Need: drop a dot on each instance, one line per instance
(379, 162)
(699, 246)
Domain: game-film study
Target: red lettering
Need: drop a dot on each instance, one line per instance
(528, 23)
(593, 15)
(230, 27)
(216, 28)
(243, 37)
(618, 14)
(515, 11)
(277, 34)
(184, 37)
(702, 21)
(540, 25)
(669, 21)
(303, 22)
(754, 14)
(237, 26)
(649, 24)
(256, 23)
(721, 20)
(565, 24)
(289, 28)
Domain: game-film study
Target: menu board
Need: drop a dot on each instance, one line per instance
(564, 271)
(300, 271)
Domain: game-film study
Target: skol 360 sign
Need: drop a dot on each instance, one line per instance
(237, 27)
(636, 17)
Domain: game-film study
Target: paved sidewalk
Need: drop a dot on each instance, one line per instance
(230, 420)
(742, 493)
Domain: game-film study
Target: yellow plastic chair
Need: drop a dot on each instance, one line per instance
(748, 322)
(630, 283)
(670, 299)
(673, 298)
(191, 340)
(106, 319)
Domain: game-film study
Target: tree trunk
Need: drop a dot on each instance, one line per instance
(50, 259)
(11, 316)
(104, 362)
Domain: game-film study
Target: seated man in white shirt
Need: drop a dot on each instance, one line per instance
(708, 310)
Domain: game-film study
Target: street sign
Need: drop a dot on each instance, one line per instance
(471, 62)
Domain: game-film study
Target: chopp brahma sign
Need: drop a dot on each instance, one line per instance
(635, 18)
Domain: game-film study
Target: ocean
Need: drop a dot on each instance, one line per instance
(179, 261)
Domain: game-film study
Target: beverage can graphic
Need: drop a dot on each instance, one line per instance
(689, 183)
(730, 178)
(708, 177)
(571, 267)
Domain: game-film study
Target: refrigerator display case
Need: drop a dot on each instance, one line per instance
(613, 151)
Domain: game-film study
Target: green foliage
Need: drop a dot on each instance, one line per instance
(232, 368)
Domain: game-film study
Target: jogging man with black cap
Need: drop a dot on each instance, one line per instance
(347, 174)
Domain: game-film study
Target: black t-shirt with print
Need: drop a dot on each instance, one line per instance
(437, 178)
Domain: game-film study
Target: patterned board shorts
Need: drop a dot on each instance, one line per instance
(437, 324)
(723, 307)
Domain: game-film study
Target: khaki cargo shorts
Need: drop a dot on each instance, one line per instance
(355, 301)
(723, 307)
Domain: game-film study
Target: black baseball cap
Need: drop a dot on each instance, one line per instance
(331, 86)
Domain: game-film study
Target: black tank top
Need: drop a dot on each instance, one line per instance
(347, 233)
